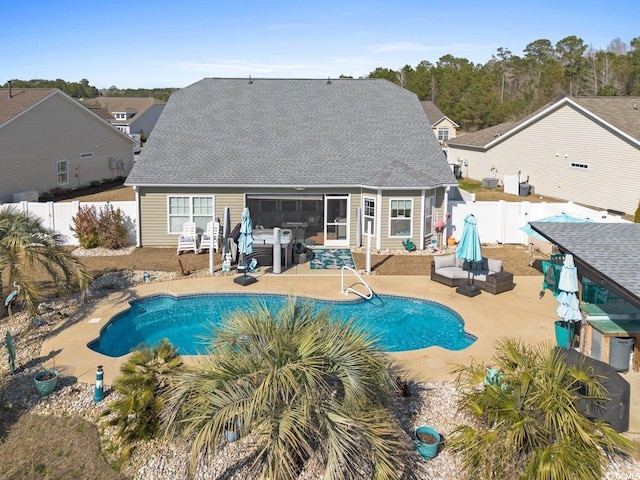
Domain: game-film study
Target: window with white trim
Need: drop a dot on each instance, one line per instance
(63, 172)
(369, 211)
(400, 217)
(443, 134)
(183, 209)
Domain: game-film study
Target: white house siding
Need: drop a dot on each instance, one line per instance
(543, 153)
(33, 143)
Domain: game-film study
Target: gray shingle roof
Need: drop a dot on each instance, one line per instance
(610, 248)
(622, 113)
(293, 132)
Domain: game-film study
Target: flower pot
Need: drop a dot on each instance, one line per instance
(46, 381)
(427, 442)
(232, 432)
(451, 241)
(564, 333)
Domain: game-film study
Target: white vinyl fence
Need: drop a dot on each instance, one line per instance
(58, 216)
(500, 222)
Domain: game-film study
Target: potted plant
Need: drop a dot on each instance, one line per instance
(427, 442)
(232, 430)
(46, 381)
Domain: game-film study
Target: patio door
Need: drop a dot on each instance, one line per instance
(336, 220)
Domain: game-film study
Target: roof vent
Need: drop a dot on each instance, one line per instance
(250, 81)
(9, 83)
(635, 106)
(329, 81)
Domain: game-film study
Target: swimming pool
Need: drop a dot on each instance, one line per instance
(402, 323)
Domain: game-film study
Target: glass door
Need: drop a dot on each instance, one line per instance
(336, 220)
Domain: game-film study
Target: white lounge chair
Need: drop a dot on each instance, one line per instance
(211, 237)
(188, 240)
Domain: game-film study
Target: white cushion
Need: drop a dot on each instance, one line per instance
(442, 261)
(452, 272)
(494, 265)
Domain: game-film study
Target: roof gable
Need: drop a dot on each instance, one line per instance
(619, 114)
(290, 132)
(434, 114)
(20, 100)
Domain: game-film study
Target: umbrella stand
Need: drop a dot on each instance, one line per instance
(469, 289)
(244, 279)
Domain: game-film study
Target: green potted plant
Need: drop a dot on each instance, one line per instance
(46, 381)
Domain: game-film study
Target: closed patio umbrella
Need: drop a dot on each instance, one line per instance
(568, 306)
(245, 245)
(470, 250)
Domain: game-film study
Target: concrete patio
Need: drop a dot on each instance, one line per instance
(520, 313)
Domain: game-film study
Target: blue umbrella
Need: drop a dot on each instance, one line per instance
(562, 217)
(245, 241)
(469, 247)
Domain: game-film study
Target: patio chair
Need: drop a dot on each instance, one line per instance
(210, 238)
(188, 240)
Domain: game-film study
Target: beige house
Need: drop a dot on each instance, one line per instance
(329, 159)
(585, 150)
(130, 115)
(443, 127)
(49, 141)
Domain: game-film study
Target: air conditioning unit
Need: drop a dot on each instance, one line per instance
(26, 196)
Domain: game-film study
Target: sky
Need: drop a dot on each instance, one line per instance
(156, 44)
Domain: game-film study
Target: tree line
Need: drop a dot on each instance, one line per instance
(476, 96)
(510, 86)
(83, 89)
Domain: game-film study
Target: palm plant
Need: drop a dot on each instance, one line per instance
(304, 384)
(145, 379)
(527, 424)
(26, 244)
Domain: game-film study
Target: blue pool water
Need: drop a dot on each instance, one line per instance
(402, 323)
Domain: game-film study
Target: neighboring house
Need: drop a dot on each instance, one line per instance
(306, 155)
(48, 140)
(585, 150)
(133, 116)
(443, 127)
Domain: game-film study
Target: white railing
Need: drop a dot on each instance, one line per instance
(346, 291)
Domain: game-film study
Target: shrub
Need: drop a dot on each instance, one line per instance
(95, 183)
(112, 231)
(144, 381)
(105, 228)
(85, 226)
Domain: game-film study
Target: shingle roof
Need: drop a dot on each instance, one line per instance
(111, 105)
(620, 112)
(272, 132)
(21, 99)
(609, 248)
(434, 114)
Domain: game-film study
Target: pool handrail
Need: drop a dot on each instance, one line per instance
(350, 289)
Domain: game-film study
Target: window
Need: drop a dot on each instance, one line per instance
(189, 209)
(400, 218)
(369, 215)
(579, 165)
(120, 116)
(443, 134)
(63, 172)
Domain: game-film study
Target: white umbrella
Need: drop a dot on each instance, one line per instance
(568, 305)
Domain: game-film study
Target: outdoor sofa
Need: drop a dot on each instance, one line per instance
(487, 274)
